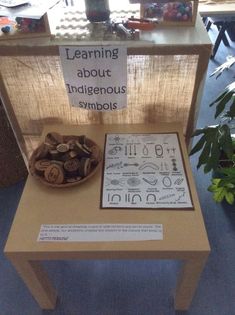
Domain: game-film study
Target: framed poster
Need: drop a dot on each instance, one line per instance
(144, 171)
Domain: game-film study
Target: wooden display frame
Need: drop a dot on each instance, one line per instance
(171, 23)
(169, 42)
(15, 34)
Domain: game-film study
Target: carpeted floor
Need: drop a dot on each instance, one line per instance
(134, 287)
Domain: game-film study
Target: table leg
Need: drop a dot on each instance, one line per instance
(208, 25)
(218, 39)
(37, 282)
(187, 282)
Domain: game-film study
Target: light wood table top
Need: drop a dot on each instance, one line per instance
(217, 9)
(184, 230)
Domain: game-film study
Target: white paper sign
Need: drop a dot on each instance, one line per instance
(95, 76)
(99, 232)
(144, 171)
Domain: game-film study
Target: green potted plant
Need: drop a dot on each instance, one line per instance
(217, 142)
(223, 188)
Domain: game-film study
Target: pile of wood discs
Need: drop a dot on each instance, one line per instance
(65, 160)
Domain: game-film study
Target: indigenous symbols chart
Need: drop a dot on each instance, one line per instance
(144, 171)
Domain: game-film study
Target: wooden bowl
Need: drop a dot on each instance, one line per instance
(95, 164)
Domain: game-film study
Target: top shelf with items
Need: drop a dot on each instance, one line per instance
(27, 19)
(169, 12)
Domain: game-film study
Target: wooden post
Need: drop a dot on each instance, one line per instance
(187, 282)
(37, 281)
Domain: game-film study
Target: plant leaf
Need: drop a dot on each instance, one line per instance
(218, 98)
(230, 185)
(228, 171)
(203, 158)
(225, 140)
(226, 65)
(198, 132)
(226, 94)
(216, 181)
(231, 111)
(208, 166)
(212, 188)
(219, 194)
(215, 154)
(229, 196)
(198, 145)
(230, 87)
(222, 103)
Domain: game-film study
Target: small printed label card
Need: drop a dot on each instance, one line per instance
(99, 232)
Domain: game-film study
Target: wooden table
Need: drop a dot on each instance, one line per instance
(222, 14)
(184, 236)
(217, 9)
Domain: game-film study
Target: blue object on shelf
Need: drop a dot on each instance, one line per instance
(6, 29)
